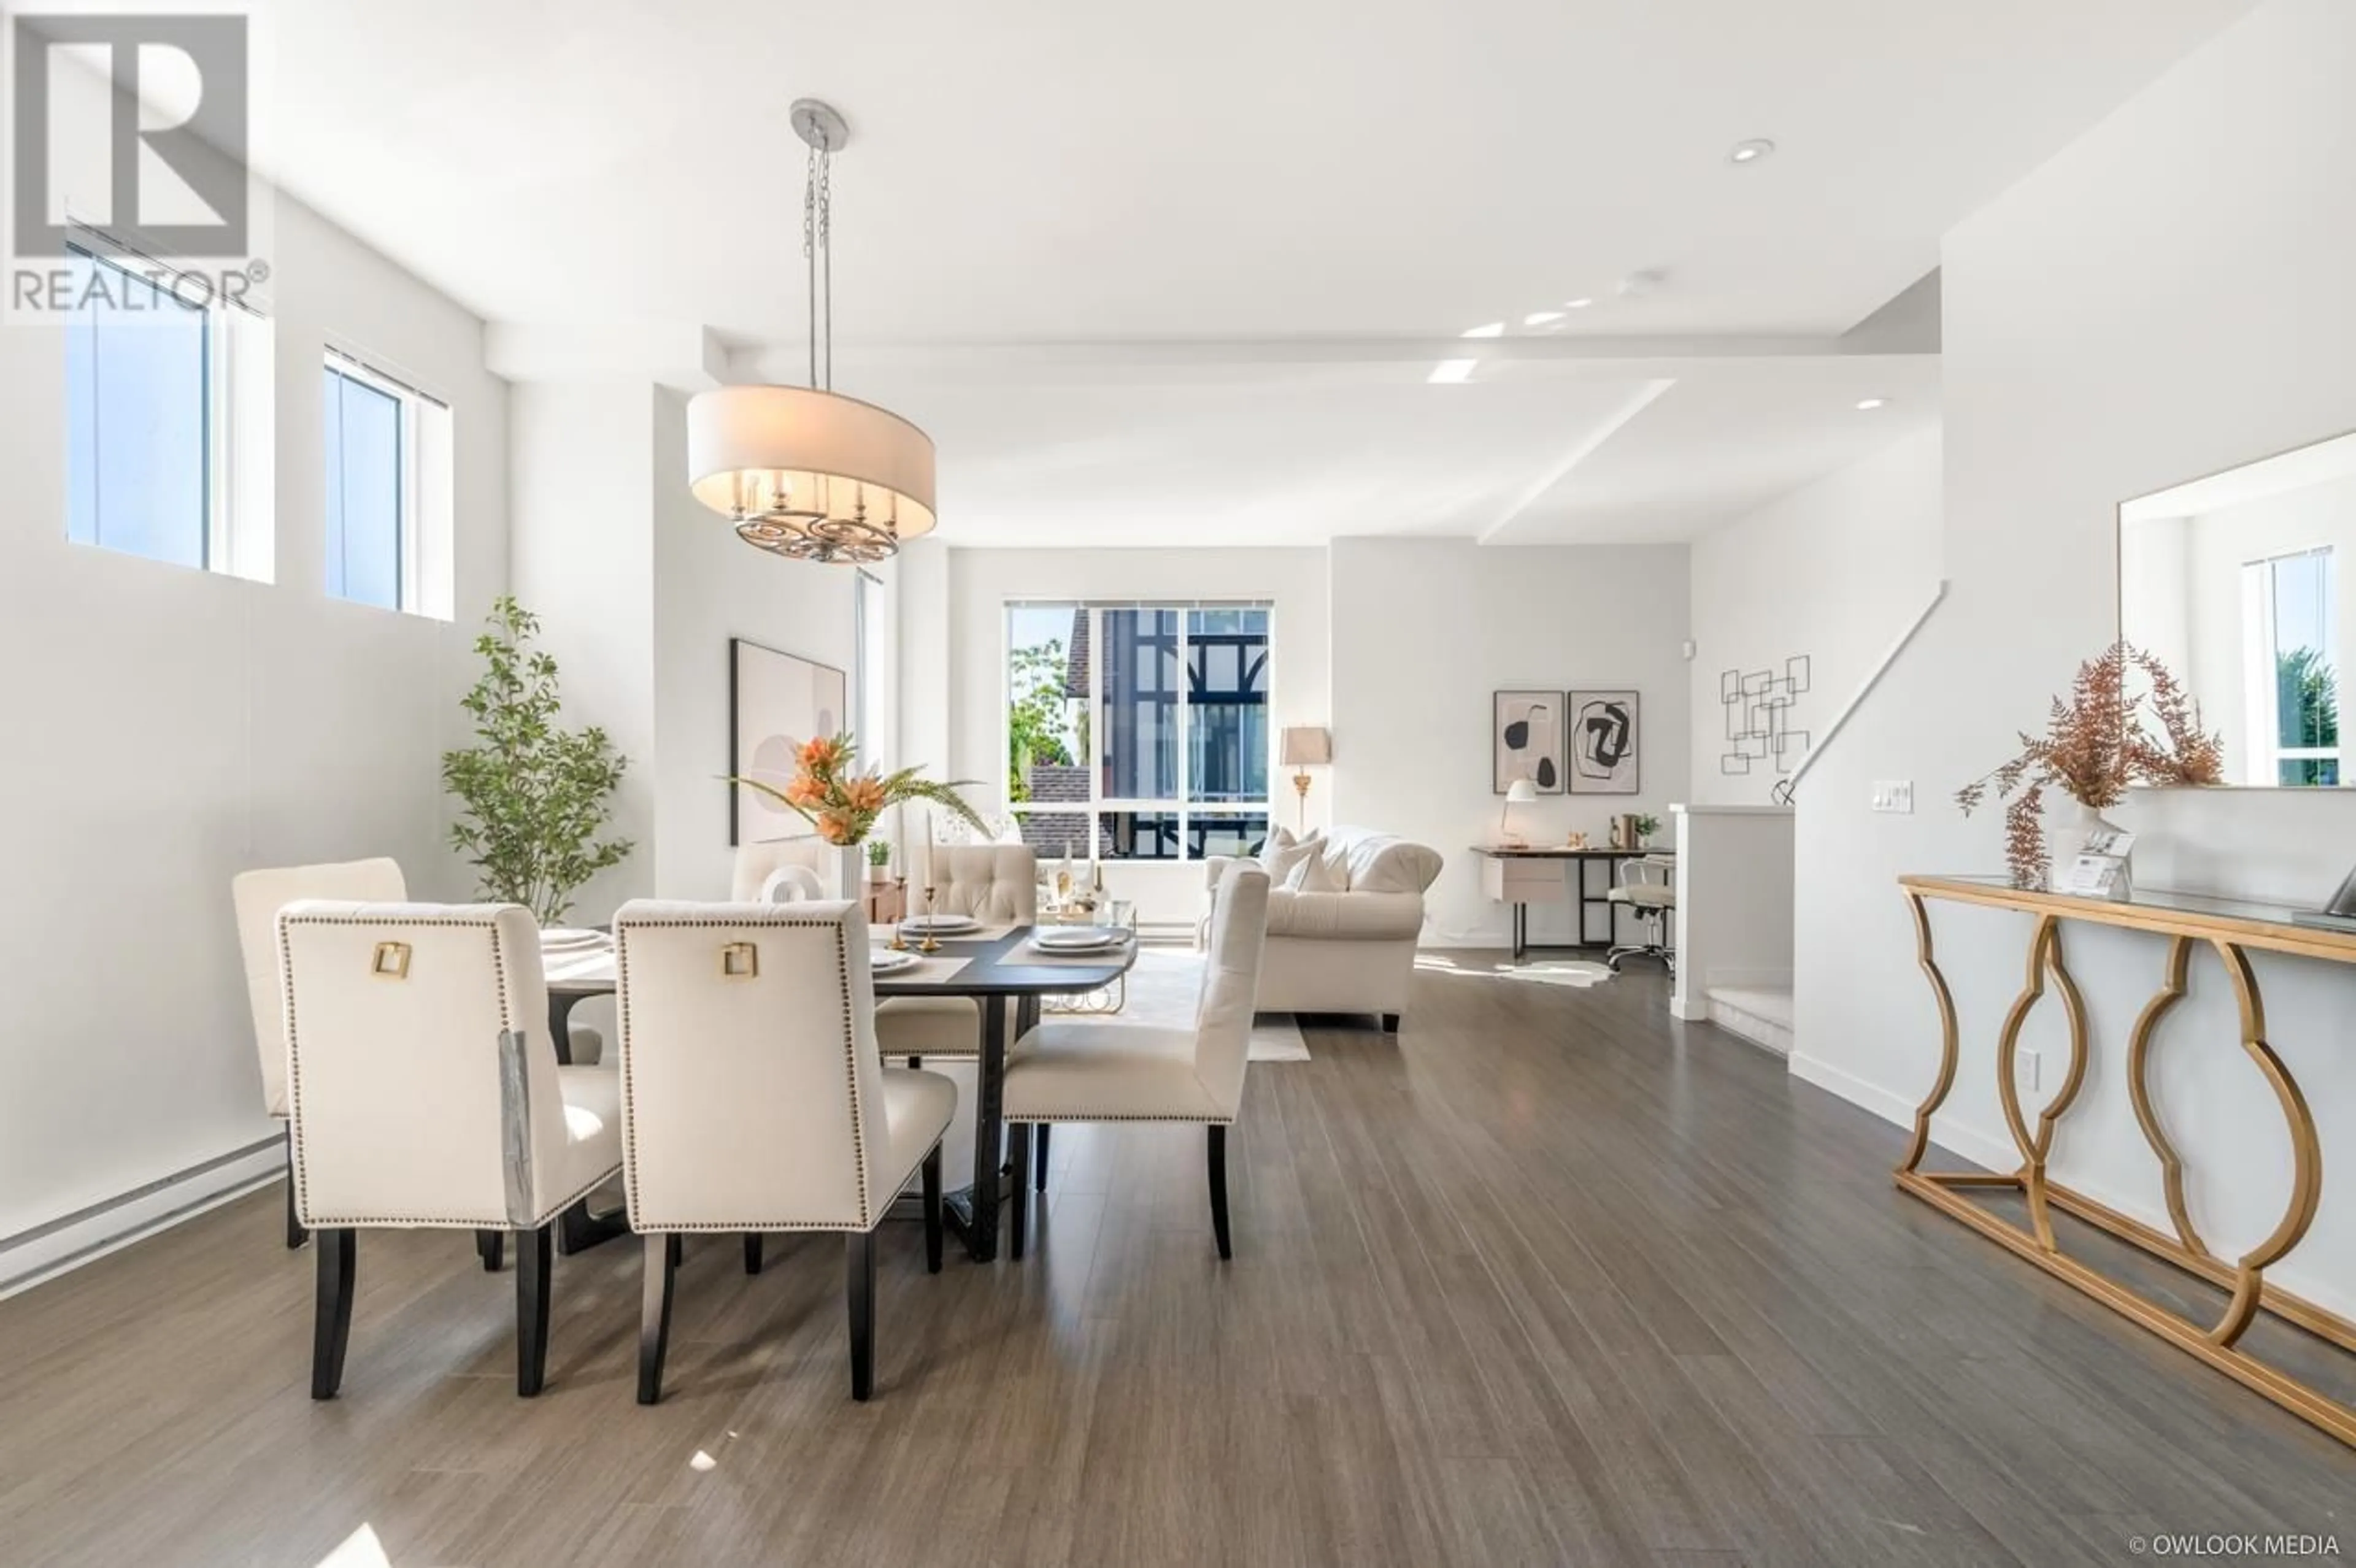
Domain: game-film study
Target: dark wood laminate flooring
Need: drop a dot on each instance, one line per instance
(1549, 1279)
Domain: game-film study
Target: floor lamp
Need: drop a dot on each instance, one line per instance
(1304, 749)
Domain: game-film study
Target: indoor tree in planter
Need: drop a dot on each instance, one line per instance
(533, 795)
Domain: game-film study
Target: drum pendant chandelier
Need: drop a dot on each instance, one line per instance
(804, 472)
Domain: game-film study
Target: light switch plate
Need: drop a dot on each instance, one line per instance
(1896, 795)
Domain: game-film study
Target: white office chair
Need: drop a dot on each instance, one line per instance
(259, 896)
(1072, 1070)
(423, 1093)
(1647, 890)
(754, 1098)
(997, 884)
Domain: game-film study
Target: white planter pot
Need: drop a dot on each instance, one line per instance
(2065, 840)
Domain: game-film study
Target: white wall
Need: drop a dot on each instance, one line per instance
(710, 586)
(980, 581)
(1734, 903)
(2105, 337)
(1426, 630)
(1836, 570)
(170, 727)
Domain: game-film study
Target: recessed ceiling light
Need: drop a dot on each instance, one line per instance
(1750, 152)
(1495, 329)
(1867, 405)
(1577, 304)
(1452, 370)
(1540, 317)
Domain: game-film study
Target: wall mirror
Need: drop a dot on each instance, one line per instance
(2237, 583)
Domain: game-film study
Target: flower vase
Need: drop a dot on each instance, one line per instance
(2067, 839)
(847, 871)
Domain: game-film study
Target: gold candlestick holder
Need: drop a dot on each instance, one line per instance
(929, 945)
(900, 927)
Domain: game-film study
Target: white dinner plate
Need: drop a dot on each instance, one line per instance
(886, 961)
(942, 925)
(1070, 949)
(567, 939)
(1079, 936)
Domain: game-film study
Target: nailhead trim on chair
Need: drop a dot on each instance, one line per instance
(488, 919)
(868, 1218)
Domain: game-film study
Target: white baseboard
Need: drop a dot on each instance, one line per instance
(1692, 1010)
(44, 1251)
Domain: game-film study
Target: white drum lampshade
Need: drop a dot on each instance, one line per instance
(811, 474)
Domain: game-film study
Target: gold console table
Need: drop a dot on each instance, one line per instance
(2234, 930)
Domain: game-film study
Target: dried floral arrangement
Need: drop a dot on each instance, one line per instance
(2096, 742)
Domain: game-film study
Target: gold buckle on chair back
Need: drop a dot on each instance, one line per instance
(392, 961)
(740, 961)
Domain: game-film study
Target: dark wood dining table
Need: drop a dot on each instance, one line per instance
(996, 967)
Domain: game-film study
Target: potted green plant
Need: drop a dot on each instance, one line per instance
(879, 861)
(1645, 826)
(533, 794)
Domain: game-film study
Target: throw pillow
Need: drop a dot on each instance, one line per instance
(1315, 873)
(1283, 859)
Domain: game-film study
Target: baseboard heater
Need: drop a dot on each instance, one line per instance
(54, 1246)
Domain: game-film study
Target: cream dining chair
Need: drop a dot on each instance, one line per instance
(259, 896)
(997, 884)
(754, 1098)
(1067, 1069)
(423, 1093)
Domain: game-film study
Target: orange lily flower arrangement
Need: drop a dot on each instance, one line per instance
(829, 792)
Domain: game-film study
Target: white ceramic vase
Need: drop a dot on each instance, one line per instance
(2065, 840)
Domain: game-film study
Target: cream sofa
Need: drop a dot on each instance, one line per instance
(1351, 951)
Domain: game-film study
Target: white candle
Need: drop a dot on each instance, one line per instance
(931, 828)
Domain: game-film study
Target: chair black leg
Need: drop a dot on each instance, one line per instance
(752, 1252)
(535, 1250)
(932, 1186)
(1018, 1222)
(331, 1326)
(676, 1247)
(1218, 1161)
(1390, 1023)
(1039, 1160)
(654, 1316)
(859, 1293)
(492, 1245)
(296, 1234)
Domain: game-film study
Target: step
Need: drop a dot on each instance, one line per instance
(1761, 1015)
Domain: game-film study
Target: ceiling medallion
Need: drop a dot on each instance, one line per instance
(804, 472)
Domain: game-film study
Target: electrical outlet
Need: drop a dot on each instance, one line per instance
(1894, 795)
(2028, 1069)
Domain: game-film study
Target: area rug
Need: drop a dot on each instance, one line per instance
(1165, 988)
(1558, 972)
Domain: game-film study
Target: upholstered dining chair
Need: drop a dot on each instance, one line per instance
(1068, 1070)
(997, 884)
(780, 870)
(754, 1098)
(423, 1093)
(259, 896)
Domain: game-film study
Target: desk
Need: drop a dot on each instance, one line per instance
(2232, 930)
(1537, 875)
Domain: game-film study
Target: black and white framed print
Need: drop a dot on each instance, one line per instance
(1605, 735)
(1525, 740)
(776, 702)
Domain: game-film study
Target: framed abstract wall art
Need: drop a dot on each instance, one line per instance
(1525, 740)
(776, 702)
(1605, 737)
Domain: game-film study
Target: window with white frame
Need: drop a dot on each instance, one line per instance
(389, 496)
(2291, 608)
(1139, 732)
(167, 416)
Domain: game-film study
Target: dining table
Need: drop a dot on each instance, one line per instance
(1000, 968)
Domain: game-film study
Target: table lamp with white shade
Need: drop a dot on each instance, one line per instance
(1521, 792)
(1306, 748)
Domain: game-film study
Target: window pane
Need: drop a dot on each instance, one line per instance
(138, 446)
(1227, 690)
(364, 492)
(1139, 673)
(1055, 833)
(1158, 835)
(1046, 701)
(2306, 705)
(2314, 771)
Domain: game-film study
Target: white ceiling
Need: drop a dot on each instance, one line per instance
(1327, 192)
